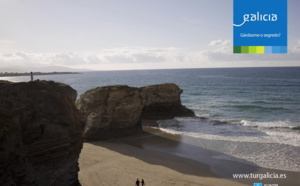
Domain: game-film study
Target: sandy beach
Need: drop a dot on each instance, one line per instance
(122, 161)
(101, 166)
(164, 159)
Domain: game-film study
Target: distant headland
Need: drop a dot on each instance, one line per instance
(7, 74)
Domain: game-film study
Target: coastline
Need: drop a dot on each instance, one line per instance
(164, 159)
(10, 74)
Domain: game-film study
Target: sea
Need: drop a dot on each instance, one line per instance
(251, 115)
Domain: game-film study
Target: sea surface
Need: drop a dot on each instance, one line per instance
(247, 114)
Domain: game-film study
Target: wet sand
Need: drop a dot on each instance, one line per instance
(164, 159)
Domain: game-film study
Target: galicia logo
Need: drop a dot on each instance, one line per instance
(258, 17)
(260, 27)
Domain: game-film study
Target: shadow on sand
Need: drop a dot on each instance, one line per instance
(175, 151)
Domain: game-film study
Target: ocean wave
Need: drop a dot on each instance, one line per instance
(270, 124)
(296, 128)
(233, 130)
(283, 149)
(258, 108)
(214, 136)
(270, 138)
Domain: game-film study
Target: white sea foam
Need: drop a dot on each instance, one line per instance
(252, 150)
(245, 139)
(271, 124)
(259, 132)
(267, 144)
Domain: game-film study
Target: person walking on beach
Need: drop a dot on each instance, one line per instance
(31, 76)
(137, 183)
(143, 182)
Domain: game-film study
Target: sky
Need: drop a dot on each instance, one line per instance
(129, 34)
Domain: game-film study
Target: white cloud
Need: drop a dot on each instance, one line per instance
(112, 56)
(142, 55)
(220, 43)
(218, 54)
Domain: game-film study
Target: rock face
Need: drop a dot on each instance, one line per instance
(163, 102)
(40, 134)
(116, 111)
(111, 111)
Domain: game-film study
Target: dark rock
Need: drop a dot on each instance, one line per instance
(40, 134)
(163, 102)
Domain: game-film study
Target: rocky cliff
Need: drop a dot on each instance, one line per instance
(40, 134)
(115, 111)
(163, 102)
(111, 111)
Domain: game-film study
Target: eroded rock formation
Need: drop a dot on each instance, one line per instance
(111, 111)
(163, 102)
(116, 111)
(40, 134)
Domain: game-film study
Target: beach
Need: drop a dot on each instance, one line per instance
(100, 164)
(123, 161)
(164, 159)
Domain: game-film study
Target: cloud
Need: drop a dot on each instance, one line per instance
(111, 56)
(140, 55)
(220, 43)
(217, 54)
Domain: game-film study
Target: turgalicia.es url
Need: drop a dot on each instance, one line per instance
(267, 175)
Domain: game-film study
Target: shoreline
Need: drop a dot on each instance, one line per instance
(11, 74)
(165, 159)
(191, 148)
